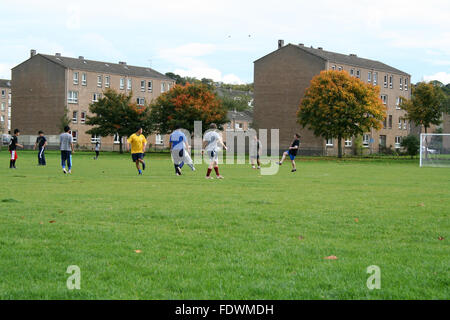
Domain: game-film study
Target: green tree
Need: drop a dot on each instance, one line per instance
(182, 105)
(65, 120)
(238, 103)
(339, 106)
(412, 145)
(426, 105)
(115, 113)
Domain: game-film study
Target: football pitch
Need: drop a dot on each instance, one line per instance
(160, 236)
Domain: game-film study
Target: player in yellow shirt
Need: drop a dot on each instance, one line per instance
(138, 145)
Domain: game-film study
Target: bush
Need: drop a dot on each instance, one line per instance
(412, 144)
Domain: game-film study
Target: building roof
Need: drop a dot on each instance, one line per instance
(240, 115)
(5, 83)
(350, 59)
(105, 67)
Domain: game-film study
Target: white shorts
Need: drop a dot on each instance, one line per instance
(213, 156)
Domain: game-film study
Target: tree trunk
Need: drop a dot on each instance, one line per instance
(339, 147)
(120, 145)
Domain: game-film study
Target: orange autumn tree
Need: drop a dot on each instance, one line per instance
(182, 105)
(339, 106)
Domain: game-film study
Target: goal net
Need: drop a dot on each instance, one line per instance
(435, 150)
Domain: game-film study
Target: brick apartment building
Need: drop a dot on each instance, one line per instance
(5, 106)
(282, 77)
(45, 87)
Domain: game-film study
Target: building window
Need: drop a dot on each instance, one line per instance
(398, 141)
(352, 72)
(83, 117)
(390, 122)
(107, 81)
(358, 74)
(401, 83)
(150, 86)
(385, 81)
(129, 84)
(348, 142)
(159, 139)
(405, 125)
(369, 77)
(406, 84)
(168, 87)
(2, 119)
(375, 78)
(75, 117)
(72, 97)
(83, 79)
(238, 126)
(95, 138)
(75, 78)
(163, 87)
(99, 81)
(75, 136)
(333, 67)
(9, 112)
(140, 101)
(397, 104)
(329, 142)
(384, 123)
(3, 93)
(3, 107)
(340, 68)
(96, 97)
(9, 125)
(143, 85)
(122, 83)
(384, 98)
(391, 82)
(399, 123)
(366, 140)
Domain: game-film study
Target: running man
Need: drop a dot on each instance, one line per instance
(66, 147)
(292, 152)
(13, 144)
(97, 150)
(138, 145)
(256, 152)
(41, 142)
(180, 151)
(210, 141)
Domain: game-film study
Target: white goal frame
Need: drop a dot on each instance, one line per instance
(422, 136)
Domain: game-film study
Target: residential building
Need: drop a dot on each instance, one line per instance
(5, 106)
(47, 87)
(282, 77)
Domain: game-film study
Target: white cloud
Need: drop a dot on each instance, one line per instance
(443, 77)
(5, 71)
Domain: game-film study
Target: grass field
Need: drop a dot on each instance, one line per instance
(245, 237)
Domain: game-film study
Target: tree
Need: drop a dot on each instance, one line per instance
(426, 105)
(238, 103)
(339, 106)
(412, 145)
(182, 105)
(65, 121)
(116, 114)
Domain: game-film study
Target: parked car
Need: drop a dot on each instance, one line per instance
(6, 138)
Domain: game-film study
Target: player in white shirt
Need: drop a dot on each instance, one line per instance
(210, 145)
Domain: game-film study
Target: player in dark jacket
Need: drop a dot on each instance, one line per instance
(292, 152)
(13, 144)
(41, 142)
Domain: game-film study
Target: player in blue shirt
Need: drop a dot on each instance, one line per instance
(180, 151)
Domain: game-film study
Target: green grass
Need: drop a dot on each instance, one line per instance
(246, 237)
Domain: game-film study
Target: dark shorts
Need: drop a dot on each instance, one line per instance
(136, 156)
(292, 156)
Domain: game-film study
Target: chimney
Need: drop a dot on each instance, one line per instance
(58, 54)
(301, 44)
(320, 48)
(280, 44)
(352, 55)
(81, 57)
(32, 53)
(123, 63)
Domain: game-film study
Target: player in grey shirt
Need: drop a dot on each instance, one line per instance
(66, 147)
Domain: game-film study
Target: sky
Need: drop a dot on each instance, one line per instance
(221, 39)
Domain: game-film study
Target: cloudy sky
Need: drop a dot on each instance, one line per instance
(221, 39)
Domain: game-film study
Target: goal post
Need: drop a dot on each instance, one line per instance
(435, 150)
